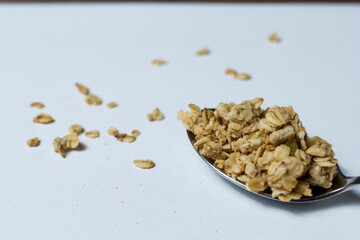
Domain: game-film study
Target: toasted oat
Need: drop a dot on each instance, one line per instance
(203, 51)
(230, 71)
(156, 115)
(84, 90)
(264, 149)
(274, 38)
(92, 134)
(242, 76)
(43, 118)
(76, 129)
(129, 139)
(34, 142)
(120, 136)
(111, 105)
(92, 99)
(65, 144)
(145, 164)
(136, 133)
(113, 131)
(38, 105)
(159, 62)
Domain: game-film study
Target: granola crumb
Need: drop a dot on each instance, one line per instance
(156, 115)
(92, 134)
(159, 62)
(65, 144)
(37, 105)
(76, 129)
(92, 99)
(274, 38)
(230, 71)
(129, 139)
(144, 164)
(84, 90)
(136, 133)
(112, 105)
(43, 118)
(113, 131)
(203, 51)
(242, 76)
(34, 142)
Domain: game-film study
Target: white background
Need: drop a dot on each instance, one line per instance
(98, 193)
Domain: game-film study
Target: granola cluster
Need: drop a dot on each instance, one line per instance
(65, 144)
(264, 149)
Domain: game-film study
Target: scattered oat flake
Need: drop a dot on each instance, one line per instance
(65, 144)
(242, 76)
(37, 105)
(111, 105)
(113, 131)
(203, 51)
(274, 38)
(43, 118)
(92, 134)
(82, 88)
(159, 62)
(129, 139)
(76, 129)
(230, 71)
(92, 99)
(136, 133)
(34, 142)
(156, 115)
(145, 164)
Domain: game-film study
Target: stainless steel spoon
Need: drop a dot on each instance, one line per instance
(340, 185)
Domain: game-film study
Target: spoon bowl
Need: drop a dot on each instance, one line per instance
(341, 183)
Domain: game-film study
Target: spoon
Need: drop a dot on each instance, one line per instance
(341, 183)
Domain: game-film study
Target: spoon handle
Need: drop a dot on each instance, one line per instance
(353, 182)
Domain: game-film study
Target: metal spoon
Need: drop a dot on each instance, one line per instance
(341, 183)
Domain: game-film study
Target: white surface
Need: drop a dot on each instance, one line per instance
(44, 50)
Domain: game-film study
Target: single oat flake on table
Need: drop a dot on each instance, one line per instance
(145, 164)
(92, 134)
(43, 118)
(203, 51)
(159, 62)
(84, 90)
(268, 150)
(274, 38)
(156, 115)
(34, 142)
(76, 129)
(37, 105)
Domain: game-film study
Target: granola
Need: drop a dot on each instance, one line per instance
(84, 90)
(145, 164)
(112, 104)
(159, 62)
(34, 142)
(76, 129)
(203, 51)
(156, 115)
(65, 144)
(92, 134)
(113, 131)
(37, 105)
(268, 150)
(43, 118)
(274, 38)
(92, 99)
(236, 75)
